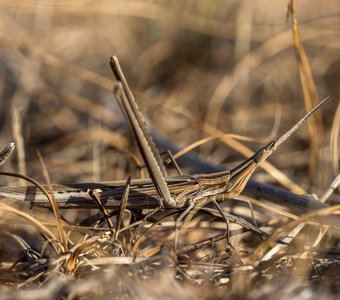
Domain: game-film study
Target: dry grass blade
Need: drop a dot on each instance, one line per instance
(102, 210)
(207, 140)
(235, 219)
(267, 207)
(333, 186)
(71, 265)
(55, 209)
(203, 243)
(311, 98)
(19, 141)
(122, 206)
(334, 140)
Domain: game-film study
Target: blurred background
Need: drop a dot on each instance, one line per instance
(197, 69)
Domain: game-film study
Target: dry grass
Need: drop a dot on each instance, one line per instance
(221, 75)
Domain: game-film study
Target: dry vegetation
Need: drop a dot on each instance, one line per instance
(198, 69)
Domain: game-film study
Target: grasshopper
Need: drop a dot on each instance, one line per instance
(229, 183)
